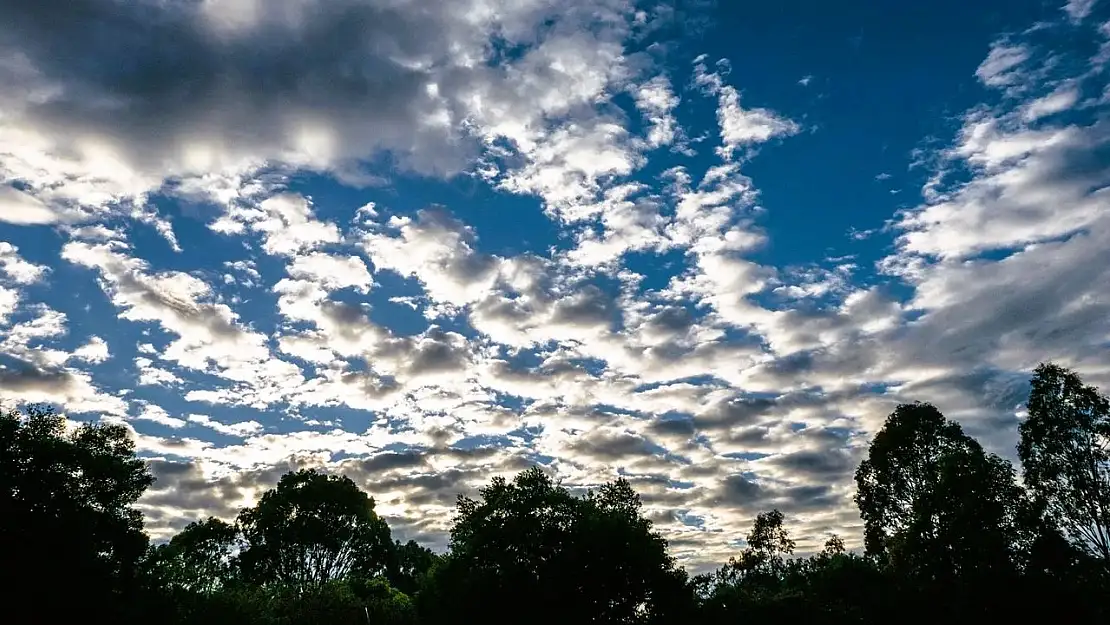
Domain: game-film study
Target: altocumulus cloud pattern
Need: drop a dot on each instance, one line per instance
(706, 247)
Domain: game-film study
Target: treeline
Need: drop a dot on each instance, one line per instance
(950, 533)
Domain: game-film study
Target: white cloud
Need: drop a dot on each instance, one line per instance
(241, 429)
(286, 222)
(436, 249)
(572, 163)
(431, 92)
(1078, 10)
(95, 351)
(332, 271)
(151, 375)
(157, 414)
(19, 207)
(1027, 190)
(16, 268)
(1000, 68)
(657, 101)
(740, 127)
(9, 300)
(1063, 99)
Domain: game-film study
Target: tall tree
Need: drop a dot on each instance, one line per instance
(200, 558)
(311, 529)
(763, 561)
(410, 566)
(67, 496)
(1065, 456)
(591, 559)
(934, 504)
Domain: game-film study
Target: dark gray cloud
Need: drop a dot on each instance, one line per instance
(751, 496)
(173, 91)
(160, 74)
(23, 376)
(608, 446)
(742, 490)
(389, 461)
(735, 412)
(671, 319)
(590, 306)
(681, 429)
(825, 465)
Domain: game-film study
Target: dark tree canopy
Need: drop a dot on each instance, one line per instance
(200, 558)
(934, 504)
(311, 529)
(411, 564)
(67, 501)
(1065, 456)
(591, 559)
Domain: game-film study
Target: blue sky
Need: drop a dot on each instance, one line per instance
(707, 247)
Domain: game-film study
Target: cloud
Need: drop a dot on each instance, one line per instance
(26, 382)
(18, 207)
(1034, 184)
(740, 127)
(657, 102)
(436, 249)
(241, 429)
(1000, 68)
(95, 351)
(1078, 10)
(237, 91)
(157, 414)
(16, 269)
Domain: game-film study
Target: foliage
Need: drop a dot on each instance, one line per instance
(67, 497)
(532, 538)
(1065, 455)
(934, 504)
(410, 566)
(201, 558)
(948, 531)
(313, 529)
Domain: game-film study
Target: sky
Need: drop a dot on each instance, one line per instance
(706, 247)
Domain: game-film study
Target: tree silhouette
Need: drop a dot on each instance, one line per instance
(312, 529)
(411, 564)
(934, 504)
(200, 558)
(591, 559)
(1065, 456)
(67, 497)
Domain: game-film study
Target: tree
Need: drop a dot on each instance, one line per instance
(311, 529)
(1065, 456)
(67, 496)
(755, 577)
(768, 537)
(199, 558)
(934, 504)
(834, 546)
(341, 602)
(763, 561)
(411, 565)
(591, 559)
(763, 584)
